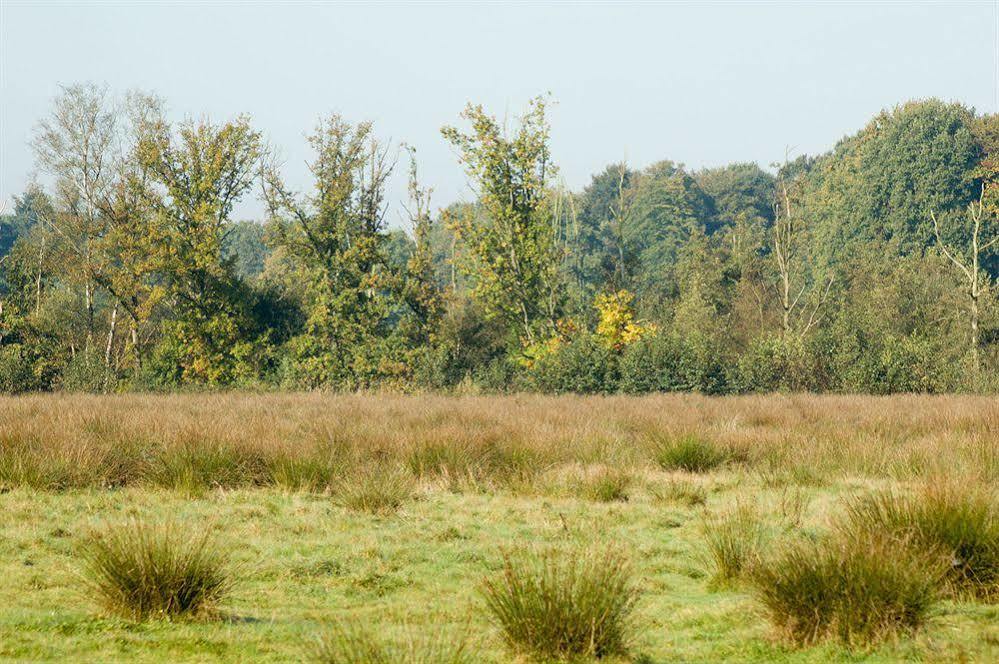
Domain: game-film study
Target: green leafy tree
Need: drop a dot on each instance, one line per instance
(516, 245)
(335, 238)
(198, 172)
(420, 289)
(668, 207)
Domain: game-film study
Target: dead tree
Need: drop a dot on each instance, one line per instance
(785, 243)
(971, 268)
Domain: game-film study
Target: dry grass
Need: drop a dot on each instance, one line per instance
(305, 441)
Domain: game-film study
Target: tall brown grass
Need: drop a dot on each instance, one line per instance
(308, 441)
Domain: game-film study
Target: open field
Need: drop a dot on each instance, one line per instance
(391, 511)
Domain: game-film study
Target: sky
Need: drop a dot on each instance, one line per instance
(703, 84)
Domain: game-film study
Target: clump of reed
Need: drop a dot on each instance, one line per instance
(855, 589)
(564, 604)
(143, 571)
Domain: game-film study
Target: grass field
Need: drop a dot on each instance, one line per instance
(392, 511)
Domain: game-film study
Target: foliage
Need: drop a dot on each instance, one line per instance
(517, 245)
(127, 272)
(582, 364)
(616, 323)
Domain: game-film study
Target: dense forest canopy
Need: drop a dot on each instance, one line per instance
(869, 268)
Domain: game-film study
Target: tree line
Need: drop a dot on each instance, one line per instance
(869, 268)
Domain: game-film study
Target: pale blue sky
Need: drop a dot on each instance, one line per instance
(703, 84)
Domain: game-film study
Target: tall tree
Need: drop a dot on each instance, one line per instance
(792, 282)
(198, 172)
(983, 236)
(515, 246)
(335, 235)
(420, 289)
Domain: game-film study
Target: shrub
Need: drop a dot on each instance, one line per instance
(16, 374)
(858, 590)
(355, 644)
(87, 372)
(771, 364)
(689, 453)
(961, 523)
(561, 605)
(140, 571)
(669, 363)
(734, 542)
(582, 365)
(377, 490)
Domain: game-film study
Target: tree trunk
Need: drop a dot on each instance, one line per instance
(111, 331)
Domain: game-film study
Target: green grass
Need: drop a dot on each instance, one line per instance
(304, 562)
(734, 541)
(351, 643)
(562, 604)
(680, 491)
(377, 490)
(607, 485)
(385, 515)
(142, 571)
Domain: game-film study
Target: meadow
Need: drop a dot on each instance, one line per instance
(383, 527)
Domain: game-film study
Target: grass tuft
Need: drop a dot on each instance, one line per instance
(556, 605)
(377, 490)
(734, 542)
(607, 485)
(690, 453)
(680, 491)
(962, 523)
(858, 590)
(351, 643)
(141, 572)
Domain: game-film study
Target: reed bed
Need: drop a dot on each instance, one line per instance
(310, 441)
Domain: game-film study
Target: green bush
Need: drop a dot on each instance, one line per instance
(140, 571)
(896, 364)
(583, 365)
(858, 590)
(668, 363)
(960, 523)
(87, 372)
(16, 373)
(773, 364)
(559, 605)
